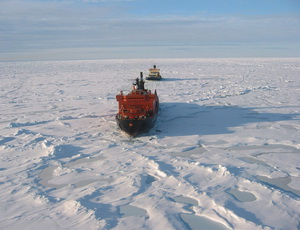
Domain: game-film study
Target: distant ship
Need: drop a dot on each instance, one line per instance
(138, 109)
(154, 74)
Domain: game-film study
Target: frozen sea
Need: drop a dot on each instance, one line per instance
(224, 154)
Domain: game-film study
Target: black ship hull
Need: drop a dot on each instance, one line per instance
(153, 78)
(136, 127)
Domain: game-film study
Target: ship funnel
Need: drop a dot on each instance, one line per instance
(154, 66)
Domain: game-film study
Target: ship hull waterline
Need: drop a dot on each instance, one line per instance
(136, 127)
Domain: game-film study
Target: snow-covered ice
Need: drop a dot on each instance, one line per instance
(224, 154)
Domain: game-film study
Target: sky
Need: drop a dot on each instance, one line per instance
(120, 29)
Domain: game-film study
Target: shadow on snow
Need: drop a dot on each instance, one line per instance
(178, 79)
(182, 119)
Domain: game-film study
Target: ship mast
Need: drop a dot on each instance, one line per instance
(140, 83)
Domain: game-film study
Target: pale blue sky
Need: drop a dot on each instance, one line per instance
(96, 29)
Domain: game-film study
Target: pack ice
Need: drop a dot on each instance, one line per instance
(224, 154)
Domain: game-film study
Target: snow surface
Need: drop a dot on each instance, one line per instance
(225, 152)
